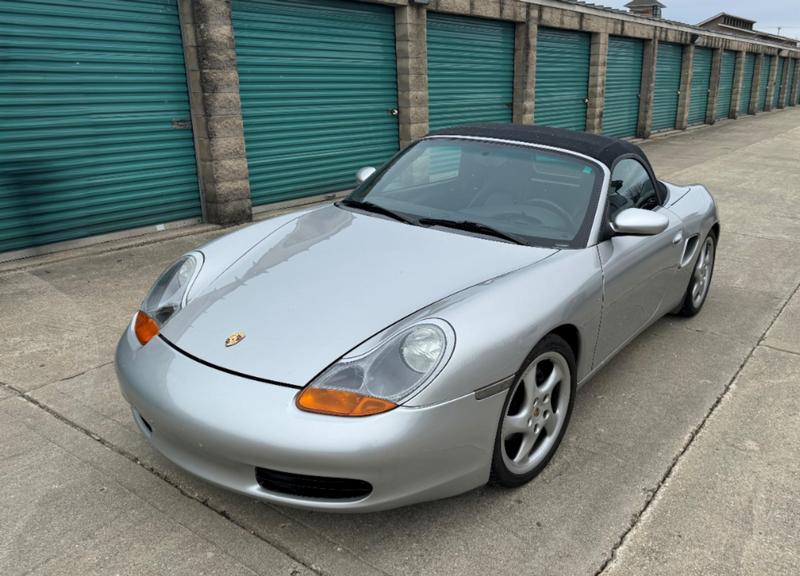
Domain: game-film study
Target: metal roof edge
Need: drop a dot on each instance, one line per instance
(614, 13)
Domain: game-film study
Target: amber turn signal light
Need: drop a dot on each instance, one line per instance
(145, 327)
(341, 403)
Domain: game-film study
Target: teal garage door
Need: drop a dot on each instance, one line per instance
(701, 77)
(776, 92)
(95, 131)
(318, 83)
(623, 84)
(562, 78)
(792, 80)
(724, 94)
(748, 72)
(470, 70)
(668, 86)
(763, 82)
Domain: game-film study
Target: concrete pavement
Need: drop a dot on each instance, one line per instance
(694, 422)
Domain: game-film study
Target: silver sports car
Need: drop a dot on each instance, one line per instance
(426, 334)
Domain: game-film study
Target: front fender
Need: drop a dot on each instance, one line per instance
(499, 323)
(223, 252)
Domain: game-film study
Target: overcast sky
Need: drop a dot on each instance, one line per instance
(768, 14)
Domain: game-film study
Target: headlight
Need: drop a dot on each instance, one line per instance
(167, 296)
(376, 381)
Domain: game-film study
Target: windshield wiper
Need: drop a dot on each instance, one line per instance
(469, 226)
(376, 208)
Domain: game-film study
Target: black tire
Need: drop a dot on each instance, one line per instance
(501, 474)
(690, 306)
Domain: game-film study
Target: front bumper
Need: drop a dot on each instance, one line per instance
(220, 427)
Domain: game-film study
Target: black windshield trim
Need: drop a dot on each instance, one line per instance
(474, 227)
(375, 209)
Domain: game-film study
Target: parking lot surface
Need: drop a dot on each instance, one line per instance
(682, 457)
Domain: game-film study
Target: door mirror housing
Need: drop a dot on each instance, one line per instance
(638, 222)
(364, 174)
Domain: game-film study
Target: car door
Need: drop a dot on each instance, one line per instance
(636, 269)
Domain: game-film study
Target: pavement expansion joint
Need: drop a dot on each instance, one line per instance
(653, 493)
(782, 350)
(124, 453)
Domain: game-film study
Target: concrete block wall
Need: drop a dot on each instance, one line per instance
(598, 64)
(713, 87)
(738, 82)
(773, 73)
(795, 89)
(412, 72)
(757, 72)
(524, 72)
(784, 85)
(687, 71)
(648, 88)
(210, 55)
(213, 78)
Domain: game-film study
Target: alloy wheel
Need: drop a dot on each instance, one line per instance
(536, 413)
(702, 272)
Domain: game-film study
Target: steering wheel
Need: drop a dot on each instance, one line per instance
(553, 208)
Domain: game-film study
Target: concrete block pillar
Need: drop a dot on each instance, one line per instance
(794, 92)
(525, 71)
(784, 84)
(682, 122)
(412, 72)
(598, 63)
(713, 86)
(773, 73)
(738, 80)
(210, 55)
(648, 89)
(757, 72)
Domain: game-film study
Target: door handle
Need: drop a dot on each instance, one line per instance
(678, 238)
(394, 112)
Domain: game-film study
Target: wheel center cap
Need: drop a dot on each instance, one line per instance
(535, 411)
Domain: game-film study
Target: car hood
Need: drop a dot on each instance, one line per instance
(326, 281)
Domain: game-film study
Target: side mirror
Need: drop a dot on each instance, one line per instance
(363, 174)
(638, 222)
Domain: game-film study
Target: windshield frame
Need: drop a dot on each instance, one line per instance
(588, 231)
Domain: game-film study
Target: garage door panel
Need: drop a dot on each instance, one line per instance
(94, 115)
(701, 81)
(470, 70)
(727, 70)
(623, 84)
(562, 78)
(317, 81)
(667, 86)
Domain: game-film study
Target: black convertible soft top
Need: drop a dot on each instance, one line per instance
(601, 148)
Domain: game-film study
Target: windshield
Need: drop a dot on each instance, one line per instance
(542, 197)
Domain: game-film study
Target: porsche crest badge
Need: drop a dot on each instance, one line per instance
(234, 339)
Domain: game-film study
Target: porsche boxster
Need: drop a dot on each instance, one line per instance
(422, 336)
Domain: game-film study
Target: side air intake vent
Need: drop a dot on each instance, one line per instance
(689, 250)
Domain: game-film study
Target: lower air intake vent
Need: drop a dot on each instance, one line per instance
(312, 486)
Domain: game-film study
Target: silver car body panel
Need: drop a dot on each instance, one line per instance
(220, 427)
(309, 287)
(324, 282)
